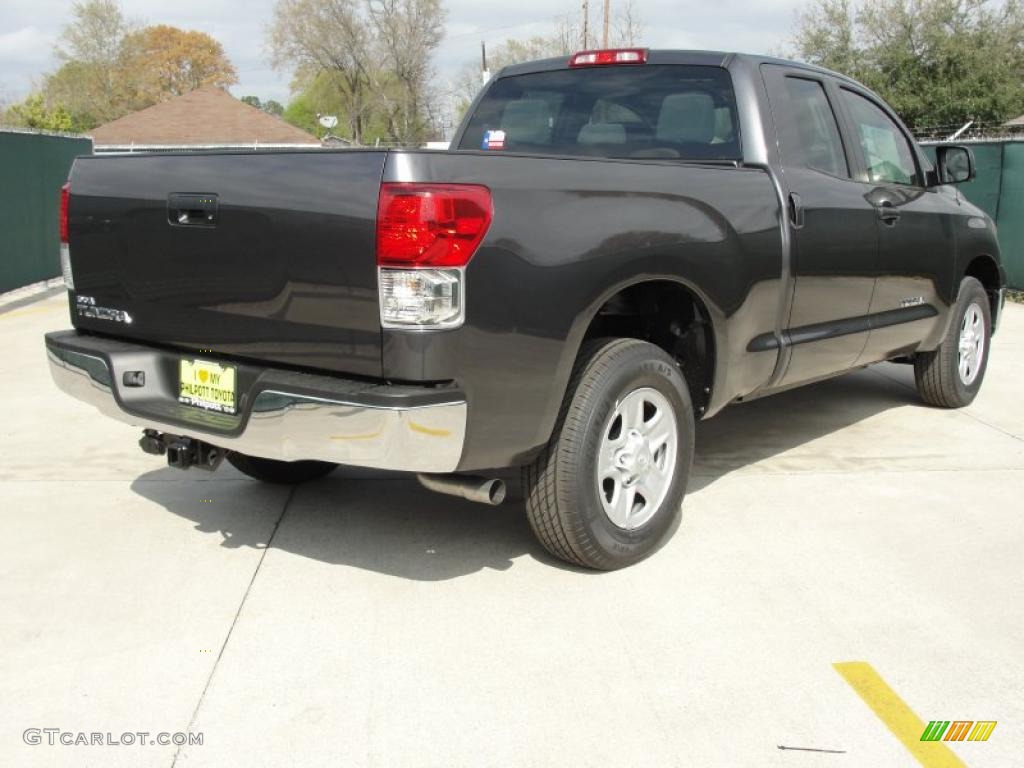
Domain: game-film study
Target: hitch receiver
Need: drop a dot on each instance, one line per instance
(182, 452)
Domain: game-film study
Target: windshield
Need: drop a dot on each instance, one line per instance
(660, 111)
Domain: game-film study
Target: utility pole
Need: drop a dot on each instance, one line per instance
(604, 38)
(586, 23)
(484, 74)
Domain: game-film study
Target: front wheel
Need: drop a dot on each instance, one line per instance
(950, 376)
(609, 486)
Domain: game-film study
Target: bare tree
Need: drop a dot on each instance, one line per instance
(94, 35)
(332, 36)
(90, 47)
(629, 27)
(407, 32)
(376, 53)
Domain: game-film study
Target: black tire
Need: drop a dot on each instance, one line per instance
(937, 373)
(563, 500)
(279, 472)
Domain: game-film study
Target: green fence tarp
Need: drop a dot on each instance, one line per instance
(1011, 214)
(32, 169)
(998, 190)
(984, 190)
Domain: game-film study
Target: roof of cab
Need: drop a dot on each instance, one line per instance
(654, 56)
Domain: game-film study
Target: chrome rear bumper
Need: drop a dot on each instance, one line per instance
(282, 414)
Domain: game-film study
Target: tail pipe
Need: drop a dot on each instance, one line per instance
(485, 490)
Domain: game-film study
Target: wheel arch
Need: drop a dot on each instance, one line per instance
(986, 270)
(667, 311)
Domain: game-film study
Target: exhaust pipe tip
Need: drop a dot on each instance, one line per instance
(495, 491)
(483, 490)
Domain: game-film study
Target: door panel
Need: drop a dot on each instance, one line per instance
(917, 240)
(835, 236)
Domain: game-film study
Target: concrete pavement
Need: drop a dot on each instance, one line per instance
(363, 621)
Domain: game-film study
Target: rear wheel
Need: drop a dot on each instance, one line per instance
(609, 486)
(950, 376)
(280, 472)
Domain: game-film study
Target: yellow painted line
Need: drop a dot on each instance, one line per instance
(432, 431)
(367, 436)
(897, 716)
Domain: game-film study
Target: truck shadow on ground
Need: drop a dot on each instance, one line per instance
(750, 433)
(389, 524)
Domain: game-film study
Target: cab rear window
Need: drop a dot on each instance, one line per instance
(653, 111)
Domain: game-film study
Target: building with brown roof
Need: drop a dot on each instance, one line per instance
(208, 118)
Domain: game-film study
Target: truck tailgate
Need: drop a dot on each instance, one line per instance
(262, 255)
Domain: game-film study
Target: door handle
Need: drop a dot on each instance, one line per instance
(887, 212)
(189, 210)
(796, 210)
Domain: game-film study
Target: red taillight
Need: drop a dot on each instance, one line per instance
(65, 193)
(430, 225)
(610, 56)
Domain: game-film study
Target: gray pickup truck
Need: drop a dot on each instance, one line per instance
(617, 243)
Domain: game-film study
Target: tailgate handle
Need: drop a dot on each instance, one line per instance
(192, 210)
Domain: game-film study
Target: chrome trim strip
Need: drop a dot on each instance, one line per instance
(293, 426)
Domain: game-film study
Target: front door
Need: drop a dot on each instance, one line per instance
(835, 236)
(917, 239)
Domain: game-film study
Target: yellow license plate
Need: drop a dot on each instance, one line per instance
(207, 385)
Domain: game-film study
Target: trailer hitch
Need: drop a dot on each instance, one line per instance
(182, 452)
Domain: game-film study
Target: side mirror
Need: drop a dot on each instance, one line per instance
(953, 164)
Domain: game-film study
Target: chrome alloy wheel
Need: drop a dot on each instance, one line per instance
(971, 352)
(637, 457)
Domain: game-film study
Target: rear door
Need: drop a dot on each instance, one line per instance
(262, 255)
(834, 228)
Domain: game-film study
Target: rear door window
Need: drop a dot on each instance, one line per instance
(819, 145)
(657, 111)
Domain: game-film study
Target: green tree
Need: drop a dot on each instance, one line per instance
(33, 113)
(301, 113)
(324, 93)
(159, 62)
(937, 62)
(269, 106)
(84, 94)
(111, 66)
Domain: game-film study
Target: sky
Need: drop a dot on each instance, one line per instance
(29, 28)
